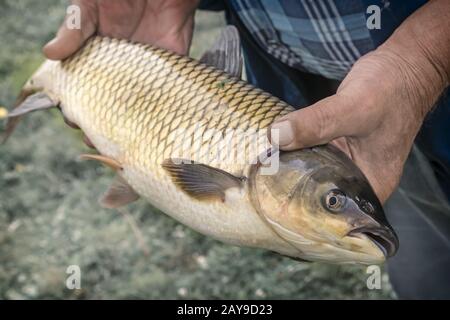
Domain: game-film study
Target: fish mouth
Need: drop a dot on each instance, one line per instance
(385, 238)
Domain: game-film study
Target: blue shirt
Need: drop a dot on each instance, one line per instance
(322, 37)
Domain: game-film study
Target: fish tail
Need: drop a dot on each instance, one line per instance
(12, 122)
(30, 98)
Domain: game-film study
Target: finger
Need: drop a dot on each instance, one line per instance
(317, 124)
(69, 40)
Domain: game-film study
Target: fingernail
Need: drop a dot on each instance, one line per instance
(51, 42)
(285, 132)
(48, 45)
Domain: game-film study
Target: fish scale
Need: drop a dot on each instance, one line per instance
(139, 104)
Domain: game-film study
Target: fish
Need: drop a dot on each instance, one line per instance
(190, 137)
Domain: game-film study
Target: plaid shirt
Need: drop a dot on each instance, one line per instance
(326, 37)
(323, 37)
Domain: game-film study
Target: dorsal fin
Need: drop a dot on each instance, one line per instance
(225, 54)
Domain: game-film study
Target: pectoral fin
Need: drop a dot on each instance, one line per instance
(200, 181)
(119, 194)
(225, 54)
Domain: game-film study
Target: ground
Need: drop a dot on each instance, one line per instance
(50, 218)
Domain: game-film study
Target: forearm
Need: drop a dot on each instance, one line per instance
(422, 47)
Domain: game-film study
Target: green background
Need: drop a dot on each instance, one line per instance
(50, 218)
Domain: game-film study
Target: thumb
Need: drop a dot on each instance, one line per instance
(68, 40)
(317, 124)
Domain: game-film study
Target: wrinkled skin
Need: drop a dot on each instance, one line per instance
(382, 102)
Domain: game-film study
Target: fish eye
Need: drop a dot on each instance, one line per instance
(335, 200)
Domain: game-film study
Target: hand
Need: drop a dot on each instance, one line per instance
(164, 23)
(369, 118)
(379, 107)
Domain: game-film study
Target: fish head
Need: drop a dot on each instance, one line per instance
(322, 204)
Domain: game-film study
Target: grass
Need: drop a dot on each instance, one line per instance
(50, 219)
